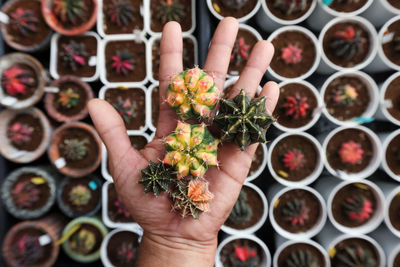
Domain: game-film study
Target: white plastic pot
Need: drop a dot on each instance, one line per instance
(383, 38)
(318, 52)
(269, 22)
(258, 172)
(392, 255)
(307, 180)
(266, 254)
(303, 235)
(93, 59)
(149, 92)
(369, 170)
(380, 11)
(243, 19)
(383, 111)
(385, 165)
(388, 223)
(327, 66)
(316, 112)
(252, 229)
(372, 90)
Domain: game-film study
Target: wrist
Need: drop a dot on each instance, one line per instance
(156, 250)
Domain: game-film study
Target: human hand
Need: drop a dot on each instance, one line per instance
(168, 239)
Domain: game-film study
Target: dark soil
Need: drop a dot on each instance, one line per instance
(186, 22)
(112, 28)
(42, 29)
(393, 93)
(396, 4)
(155, 106)
(366, 245)
(83, 98)
(311, 202)
(30, 90)
(294, 90)
(83, 19)
(112, 210)
(37, 134)
(295, 142)
(91, 145)
(393, 155)
(396, 261)
(257, 160)
(347, 6)
(83, 209)
(349, 191)
(389, 47)
(329, 52)
(394, 211)
(332, 151)
(90, 43)
(239, 13)
(137, 50)
(116, 243)
(356, 108)
(301, 247)
(228, 251)
(137, 97)
(301, 41)
(278, 13)
(138, 142)
(97, 233)
(257, 208)
(43, 188)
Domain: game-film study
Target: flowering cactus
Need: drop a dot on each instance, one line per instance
(296, 212)
(192, 94)
(73, 55)
(25, 194)
(123, 62)
(351, 152)
(242, 211)
(296, 106)
(69, 11)
(83, 242)
(120, 12)
(191, 149)
(244, 256)
(75, 149)
(80, 195)
(291, 54)
(240, 52)
(358, 208)
(301, 258)
(121, 208)
(16, 80)
(355, 256)
(68, 98)
(348, 43)
(290, 6)
(20, 133)
(28, 250)
(345, 95)
(126, 252)
(170, 10)
(293, 159)
(126, 109)
(234, 4)
(157, 177)
(24, 21)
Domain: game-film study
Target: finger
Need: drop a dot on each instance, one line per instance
(219, 54)
(170, 64)
(271, 92)
(255, 69)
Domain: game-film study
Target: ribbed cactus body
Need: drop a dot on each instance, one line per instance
(242, 211)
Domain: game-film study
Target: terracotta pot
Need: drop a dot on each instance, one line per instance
(55, 24)
(57, 159)
(49, 99)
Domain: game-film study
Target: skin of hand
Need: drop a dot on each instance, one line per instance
(168, 239)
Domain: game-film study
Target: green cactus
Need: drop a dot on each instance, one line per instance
(120, 12)
(83, 242)
(355, 256)
(193, 94)
(157, 177)
(301, 258)
(289, 7)
(243, 120)
(296, 212)
(75, 149)
(69, 11)
(242, 211)
(80, 195)
(348, 43)
(170, 10)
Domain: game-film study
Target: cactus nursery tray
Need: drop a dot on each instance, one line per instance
(206, 22)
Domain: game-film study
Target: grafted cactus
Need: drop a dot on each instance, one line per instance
(73, 55)
(355, 256)
(24, 21)
(351, 152)
(170, 10)
(291, 54)
(296, 212)
(358, 208)
(301, 258)
(348, 43)
(68, 98)
(244, 256)
(345, 95)
(289, 7)
(242, 211)
(123, 62)
(296, 106)
(120, 12)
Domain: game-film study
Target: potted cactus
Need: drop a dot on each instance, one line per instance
(75, 149)
(26, 30)
(29, 192)
(79, 197)
(119, 17)
(389, 99)
(69, 103)
(70, 17)
(76, 55)
(85, 235)
(120, 248)
(389, 44)
(242, 10)
(24, 134)
(22, 81)
(391, 155)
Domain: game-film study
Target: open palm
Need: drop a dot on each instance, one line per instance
(154, 214)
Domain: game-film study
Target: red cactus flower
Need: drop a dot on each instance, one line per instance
(20, 133)
(291, 54)
(244, 253)
(347, 34)
(358, 208)
(16, 80)
(296, 106)
(123, 62)
(293, 159)
(351, 152)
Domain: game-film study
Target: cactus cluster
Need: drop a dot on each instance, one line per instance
(24, 21)
(244, 256)
(68, 98)
(291, 54)
(345, 95)
(242, 211)
(75, 149)
(293, 159)
(126, 252)
(296, 106)
(358, 208)
(234, 4)
(301, 258)
(170, 10)
(348, 43)
(69, 11)
(20, 133)
(121, 208)
(83, 242)
(289, 7)
(355, 255)
(296, 212)
(25, 194)
(120, 12)
(240, 52)
(28, 250)
(16, 80)
(351, 152)
(73, 55)
(123, 62)
(126, 108)
(80, 195)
